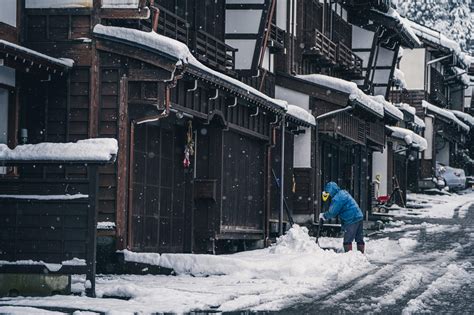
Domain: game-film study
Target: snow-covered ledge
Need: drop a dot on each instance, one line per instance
(90, 150)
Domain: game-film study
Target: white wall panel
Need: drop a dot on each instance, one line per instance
(413, 66)
(8, 12)
(379, 167)
(429, 138)
(243, 57)
(242, 21)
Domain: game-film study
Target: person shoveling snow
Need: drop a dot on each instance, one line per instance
(343, 205)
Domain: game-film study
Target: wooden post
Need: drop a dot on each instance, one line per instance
(92, 228)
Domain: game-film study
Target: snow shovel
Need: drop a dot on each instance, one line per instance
(318, 234)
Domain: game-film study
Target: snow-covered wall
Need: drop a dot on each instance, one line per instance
(428, 153)
(379, 167)
(413, 66)
(302, 151)
(8, 12)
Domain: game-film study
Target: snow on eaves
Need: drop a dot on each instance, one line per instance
(440, 39)
(180, 52)
(355, 94)
(301, 114)
(45, 197)
(99, 149)
(64, 62)
(446, 114)
(405, 24)
(406, 107)
(57, 4)
(468, 119)
(388, 107)
(120, 4)
(409, 137)
(419, 122)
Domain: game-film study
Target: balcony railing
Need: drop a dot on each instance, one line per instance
(348, 60)
(214, 52)
(208, 49)
(319, 46)
(276, 40)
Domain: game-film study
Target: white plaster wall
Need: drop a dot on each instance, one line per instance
(292, 97)
(385, 57)
(242, 21)
(361, 38)
(281, 14)
(8, 12)
(413, 66)
(379, 167)
(302, 147)
(429, 138)
(244, 55)
(7, 76)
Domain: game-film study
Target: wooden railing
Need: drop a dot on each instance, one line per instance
(208, 49)
(173, 26)
(376, 132)
(347, 59)
(212, 51)
(345, 125)
(276, 38)
(320, 46)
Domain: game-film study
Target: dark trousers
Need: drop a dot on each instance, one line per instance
(354, 231)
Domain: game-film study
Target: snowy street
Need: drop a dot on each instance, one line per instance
(422, 261)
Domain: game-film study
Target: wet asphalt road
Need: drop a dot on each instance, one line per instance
(435, 278)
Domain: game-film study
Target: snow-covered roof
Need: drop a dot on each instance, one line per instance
(99, 149)
(57, 4)
(407, 108)
(405, 24)
(419, 122)
(301, 114)
(63, 62)
(440, 39)
(409, 137)
(399, 78)
(355, 94)
(179, 51)
(446, 114)
(468, 119)
(388, 107)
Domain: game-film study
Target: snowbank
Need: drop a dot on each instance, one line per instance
(45, 197)
(99, 149)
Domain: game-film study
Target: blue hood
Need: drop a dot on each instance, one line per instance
(332, 188)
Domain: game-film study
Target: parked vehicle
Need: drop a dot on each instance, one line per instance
(454, 178)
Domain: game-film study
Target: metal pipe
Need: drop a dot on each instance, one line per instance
(156, 16)
(438, 59)
(334, 112)
(282, 176)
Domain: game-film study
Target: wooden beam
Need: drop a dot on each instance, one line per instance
(121, 206)
(139, 13)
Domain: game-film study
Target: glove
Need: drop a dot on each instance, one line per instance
(321, 216)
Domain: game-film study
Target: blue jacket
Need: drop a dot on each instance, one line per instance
(342, 204)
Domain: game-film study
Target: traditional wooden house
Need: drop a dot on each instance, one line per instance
(194, 165)
(436, 82)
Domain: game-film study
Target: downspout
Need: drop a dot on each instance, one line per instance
(269, 176)
(282, 176)
(156, 16)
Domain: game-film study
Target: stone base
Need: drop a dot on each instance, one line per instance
(34, 284)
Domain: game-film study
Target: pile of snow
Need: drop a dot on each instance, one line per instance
(405, 24)
(57, 4)
(99, 149)
(409, 137)
(45, 197)
(120, 4)
(106, 225)
(355, 94)
(295, 240)
(445, 113)
(407, 108)
(301, 114)
(53, 267)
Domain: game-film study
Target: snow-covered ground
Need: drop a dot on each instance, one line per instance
(402, 267)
